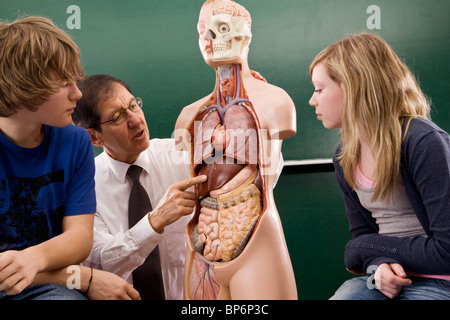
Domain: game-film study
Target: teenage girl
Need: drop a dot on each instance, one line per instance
(393, 167)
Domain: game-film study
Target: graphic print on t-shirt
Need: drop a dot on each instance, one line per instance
(29, 210)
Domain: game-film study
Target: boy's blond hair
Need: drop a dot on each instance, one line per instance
(35, 56)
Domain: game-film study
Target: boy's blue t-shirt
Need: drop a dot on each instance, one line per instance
(39, 186)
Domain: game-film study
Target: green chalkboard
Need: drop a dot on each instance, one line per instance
(316, 230)
(152, 45)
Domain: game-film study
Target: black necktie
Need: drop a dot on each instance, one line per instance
(147, 278)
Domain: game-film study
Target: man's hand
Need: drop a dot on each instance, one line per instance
(176, 203)
(17, 271)
(108, 286)
(390, 279)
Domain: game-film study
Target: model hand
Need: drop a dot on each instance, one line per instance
(108, 286)
(17, 271)
(176, 203)
(390, 279)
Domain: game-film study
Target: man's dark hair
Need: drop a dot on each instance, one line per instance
(95, 89)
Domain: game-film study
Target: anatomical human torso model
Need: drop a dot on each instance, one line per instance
(235, 242)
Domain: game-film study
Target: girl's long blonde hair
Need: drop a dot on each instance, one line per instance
(381, 94)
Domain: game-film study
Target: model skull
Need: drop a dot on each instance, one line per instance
(229, 34)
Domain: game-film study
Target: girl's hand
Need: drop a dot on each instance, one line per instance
(390, 279)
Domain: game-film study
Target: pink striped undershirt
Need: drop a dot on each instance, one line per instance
(365, 182)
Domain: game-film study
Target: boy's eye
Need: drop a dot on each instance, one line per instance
(66, 83)
(318, 90)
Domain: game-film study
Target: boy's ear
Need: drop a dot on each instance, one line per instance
(96, 138)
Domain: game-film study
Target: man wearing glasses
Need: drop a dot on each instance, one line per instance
(116, 122)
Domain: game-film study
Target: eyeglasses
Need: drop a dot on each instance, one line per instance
(120, 115)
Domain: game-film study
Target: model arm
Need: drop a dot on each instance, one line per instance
(275, 108)
(284, 117)
(181, 133)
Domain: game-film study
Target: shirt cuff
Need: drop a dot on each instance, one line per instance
(144, 235)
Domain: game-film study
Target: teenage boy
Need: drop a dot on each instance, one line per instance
(47, 194)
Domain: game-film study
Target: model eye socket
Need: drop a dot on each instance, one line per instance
(224, 28)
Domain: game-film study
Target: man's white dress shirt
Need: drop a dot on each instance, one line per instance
(119, 249)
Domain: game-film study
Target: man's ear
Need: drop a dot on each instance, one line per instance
(96, 138)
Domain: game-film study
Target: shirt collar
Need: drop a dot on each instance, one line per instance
(119, 169)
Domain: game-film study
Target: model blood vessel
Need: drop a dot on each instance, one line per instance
(235, 242)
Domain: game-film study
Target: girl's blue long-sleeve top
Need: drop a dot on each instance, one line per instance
(425, 169)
